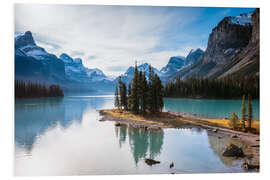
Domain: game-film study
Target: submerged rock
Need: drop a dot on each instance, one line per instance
(151, 162)
(233, 151)
(117, 124)
(235, 136)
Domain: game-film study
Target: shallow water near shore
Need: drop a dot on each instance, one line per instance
(63, 136)
(209, 108)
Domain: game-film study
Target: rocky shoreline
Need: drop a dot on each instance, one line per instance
(250, 142)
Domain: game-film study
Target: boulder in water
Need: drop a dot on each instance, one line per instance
(233, 151)
(151, 162)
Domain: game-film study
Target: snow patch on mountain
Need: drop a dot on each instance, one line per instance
(242, 19)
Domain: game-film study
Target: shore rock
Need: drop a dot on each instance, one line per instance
(171, 165)
(233, 151)
(151, 162)
(248, 167)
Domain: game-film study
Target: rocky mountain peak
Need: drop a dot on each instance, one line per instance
(24, 40)
(226, 40)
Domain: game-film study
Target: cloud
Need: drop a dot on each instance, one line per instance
(89, 58)
(113, 35)
(77, 53)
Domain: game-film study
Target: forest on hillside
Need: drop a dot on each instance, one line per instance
(225, 88)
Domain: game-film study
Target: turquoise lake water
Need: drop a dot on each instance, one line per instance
(210, 107)
(63, 136)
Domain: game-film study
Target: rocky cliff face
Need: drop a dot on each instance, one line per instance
(248, 60)
(232, 43)
(226, 40)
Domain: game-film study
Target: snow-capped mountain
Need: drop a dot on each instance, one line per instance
(76, 71)
(175, 63)
(128, 75)
(34, 62)
(193, 56)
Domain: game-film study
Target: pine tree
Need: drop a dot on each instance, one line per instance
(159, 94)
(134, 92)
(129, 97)
(243, 112)
(116, 98)
(249, 118)
(151, 91)
(144, 90)
(233, 123)
(124, 96)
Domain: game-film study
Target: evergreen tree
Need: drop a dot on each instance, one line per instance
(124, 96)
(233, 123)
(243, 112)
(250, 116)
(144, 95)
(122, 93)
(129, 97)
(151, 91)
(135, 89)
(116, 98)
(159, 94)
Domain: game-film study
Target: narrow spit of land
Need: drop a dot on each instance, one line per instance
(216, 127)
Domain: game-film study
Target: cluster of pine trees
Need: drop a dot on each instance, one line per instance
(235, 123)
(225, 88)
(141, 95)
(34, 90)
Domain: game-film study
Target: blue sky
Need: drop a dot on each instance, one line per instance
(113, 37)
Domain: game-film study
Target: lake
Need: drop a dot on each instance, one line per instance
(63, 136)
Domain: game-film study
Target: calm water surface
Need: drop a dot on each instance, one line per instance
(210, 108)
(64, 137)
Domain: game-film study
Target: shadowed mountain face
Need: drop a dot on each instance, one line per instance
(175, 63)
(232, 49)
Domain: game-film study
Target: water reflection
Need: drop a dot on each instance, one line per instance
(33, 117)
(141, 142)
(218, 145)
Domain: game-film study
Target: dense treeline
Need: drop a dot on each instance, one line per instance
(141, 95)
(34, 90)
(225, 88)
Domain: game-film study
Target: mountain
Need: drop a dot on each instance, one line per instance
(77, 72)
(175, 64)
(226, 46)
(193, 56)
(247, 62)
(35, 63)
(128, 75)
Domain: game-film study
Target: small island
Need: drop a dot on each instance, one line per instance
(140, 106)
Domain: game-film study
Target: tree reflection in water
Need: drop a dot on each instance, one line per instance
(142, 142)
